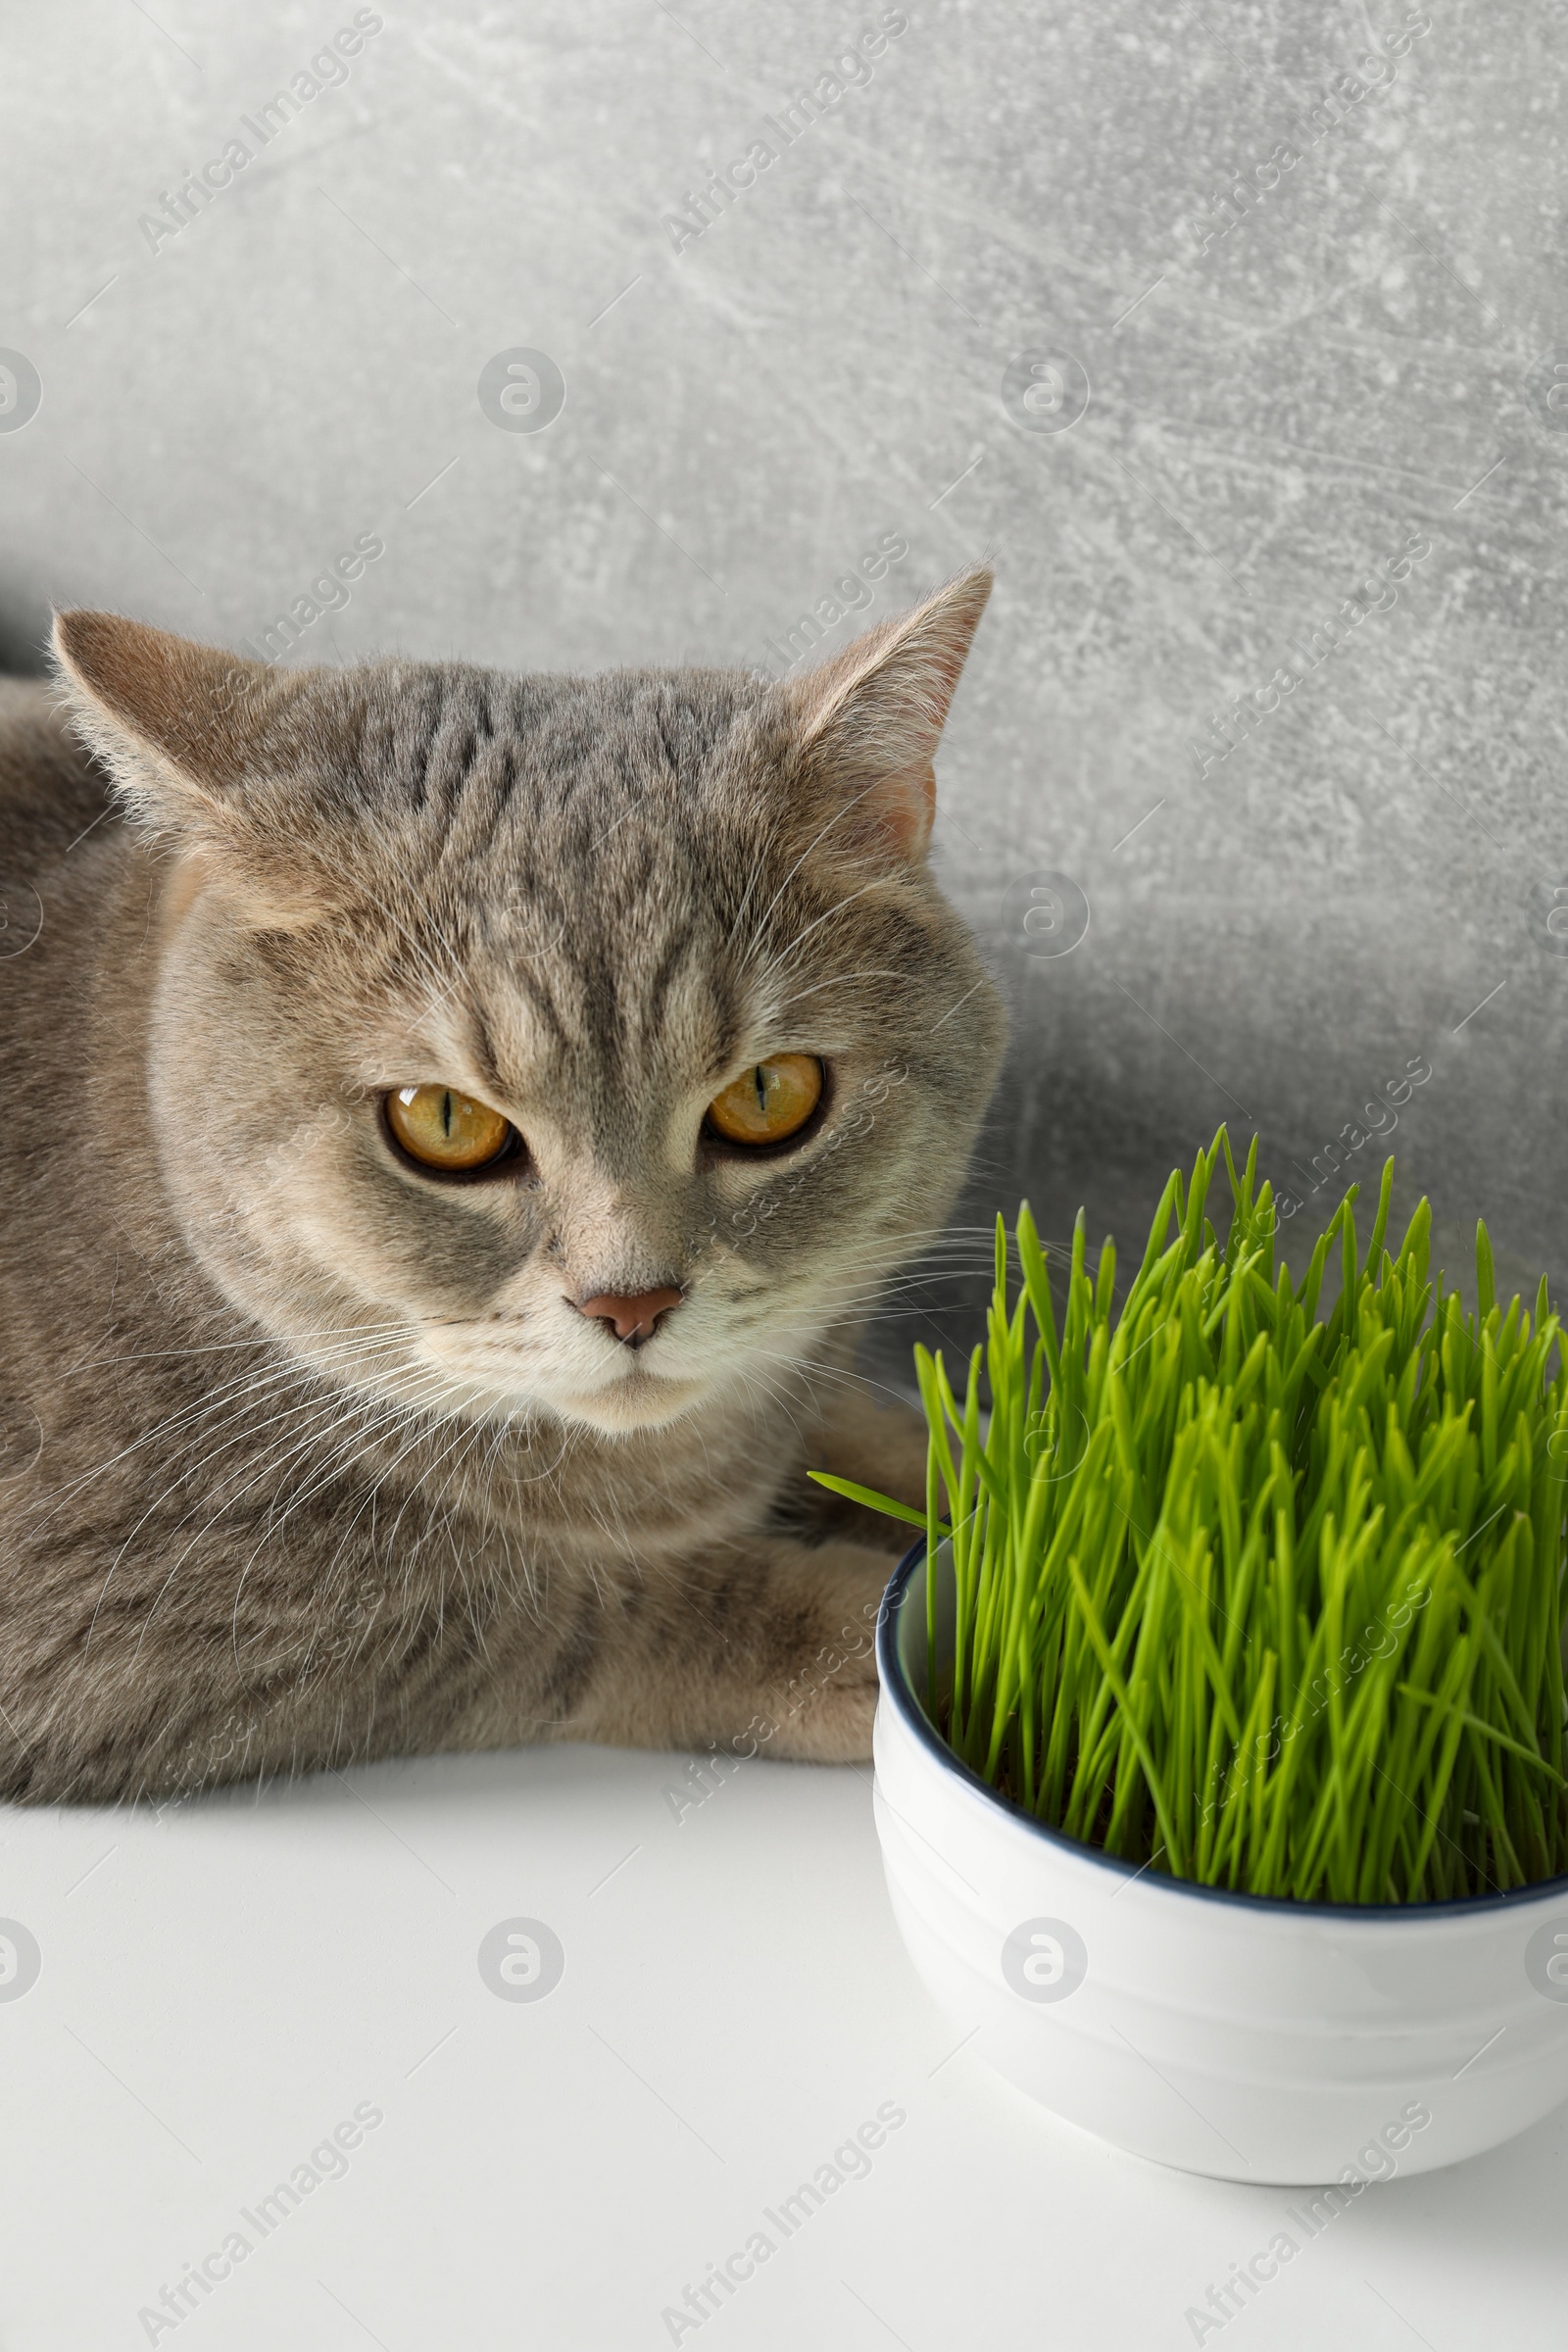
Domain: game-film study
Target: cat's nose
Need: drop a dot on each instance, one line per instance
(635, 1316)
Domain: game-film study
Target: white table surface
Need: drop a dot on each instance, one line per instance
(222, 1984)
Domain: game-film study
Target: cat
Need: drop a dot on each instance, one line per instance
(456, 1126)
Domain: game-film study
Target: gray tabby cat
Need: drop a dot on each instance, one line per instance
(456, 1125)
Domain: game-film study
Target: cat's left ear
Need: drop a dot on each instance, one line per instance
(867, 722)
(198, 742)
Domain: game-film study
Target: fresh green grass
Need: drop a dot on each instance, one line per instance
(1261, 1600)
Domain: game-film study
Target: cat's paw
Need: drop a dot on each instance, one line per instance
(879, 1445)
(819, 1704)
(897, 1460)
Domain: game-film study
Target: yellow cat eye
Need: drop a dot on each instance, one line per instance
(771, 1103)
(447, 1131)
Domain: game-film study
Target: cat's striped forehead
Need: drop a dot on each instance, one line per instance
(608, 869)
(621, 991)
(496, 759)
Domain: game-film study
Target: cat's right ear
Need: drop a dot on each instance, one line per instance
(867, 723)
(196, 741)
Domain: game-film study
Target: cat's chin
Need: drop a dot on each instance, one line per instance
(645, 1401)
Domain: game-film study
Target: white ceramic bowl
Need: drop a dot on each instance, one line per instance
(1240, 2036)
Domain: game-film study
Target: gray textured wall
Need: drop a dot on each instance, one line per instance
(1088, 285)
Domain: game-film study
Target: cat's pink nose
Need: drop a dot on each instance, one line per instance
(635, 1317)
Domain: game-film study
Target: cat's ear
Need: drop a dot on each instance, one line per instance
(867, 722)
(196, 742)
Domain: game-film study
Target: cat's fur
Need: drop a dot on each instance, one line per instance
(306, 1458)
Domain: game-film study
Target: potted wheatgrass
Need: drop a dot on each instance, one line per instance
(1221, 1756)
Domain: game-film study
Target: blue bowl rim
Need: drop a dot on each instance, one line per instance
(895, 1688)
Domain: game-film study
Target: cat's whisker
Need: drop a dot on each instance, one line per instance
(414, 1438)
(228, 1346)
(889, 1265)
(883, 1297)
(852, 1382)
(318, 1396)
(414, 1408)
(334, 1411)
(198, 1426)
(287, 1366)
(237, 1396)
(348, 1424)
